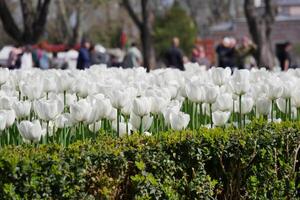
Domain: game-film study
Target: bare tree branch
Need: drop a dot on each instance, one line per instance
(8, 22)
(132, 14)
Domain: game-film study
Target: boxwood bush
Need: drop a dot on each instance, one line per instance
(257, 162)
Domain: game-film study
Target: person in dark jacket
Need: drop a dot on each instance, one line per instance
(84, 59)
(226, 53)
(174, 56)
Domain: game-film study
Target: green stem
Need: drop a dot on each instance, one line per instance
(210, 115)
(240, 111)
(141, 126)
(118, 122)
(272, 111)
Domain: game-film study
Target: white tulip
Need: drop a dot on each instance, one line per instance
(158, 104)
(179, 121)
(141, 106)
(30, 131)
(3, 117)
(195, 93)
(22, 108)
(240, 82)
(220, 118)
(296, 97)
(287, 89)
(122, 128)
(4, 75)
(224, 102)
(112, 115)
(48, 109)
(119, 99)
(6, 102)
(95, 127)
(211, 93)
(247, 105)
(263, 106)
(136, 122)
(80, 110)
(64, 120)
(282, 105)
(33, 90)
(64, 82)
(49, 84)
(220, 76)
(274, 88)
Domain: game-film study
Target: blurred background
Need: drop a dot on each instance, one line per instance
(234, 33)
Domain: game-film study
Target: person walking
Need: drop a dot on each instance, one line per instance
(84, 60)
(245, 54)
(133, 57)
(285, 57)
(174, 55)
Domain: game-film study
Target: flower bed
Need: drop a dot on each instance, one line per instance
(62, 107)
(257, 162)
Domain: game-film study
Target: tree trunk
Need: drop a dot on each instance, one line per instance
(34, 20)
(145, 27)
(64, 22)
(260, 27)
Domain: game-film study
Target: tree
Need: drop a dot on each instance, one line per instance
(34, 20)
(260, 23)
(145, 27)
(71, 34)
(175, 23)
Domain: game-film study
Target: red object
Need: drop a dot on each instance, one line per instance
(55, 47)
(209, 48)
(123, 39)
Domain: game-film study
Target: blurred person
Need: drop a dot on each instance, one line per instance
(84, 60)
(133, 57)
(44, 61)
(98, 55)
(226, 53)
(58, 63)
(174, 55)
(245, 53)
(26, 58)
(199, 56)
(14, 58)
(285, 58)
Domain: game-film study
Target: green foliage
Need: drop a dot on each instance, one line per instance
(176, 23)
(257, 162)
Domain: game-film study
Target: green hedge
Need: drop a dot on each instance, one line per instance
(258, 162)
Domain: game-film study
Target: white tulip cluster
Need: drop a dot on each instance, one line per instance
(56, 105)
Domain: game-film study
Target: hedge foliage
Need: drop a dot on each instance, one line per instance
(258, 162)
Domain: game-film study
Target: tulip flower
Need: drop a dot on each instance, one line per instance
(80, 110)
(220, 76)
(220, 118)
(48, 109)
(224, 102)
(3, 117)
(140, 124)
(124, 129)
(247, 105)
(263, 106)
(64, 120)
(4, 75)
(30, 131)
(195, 93)
(10, 117)
(33, 90)
(95, 127)
(22, 108)
(141, 106)
(179, 121)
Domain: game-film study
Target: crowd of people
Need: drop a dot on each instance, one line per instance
(229, 53)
